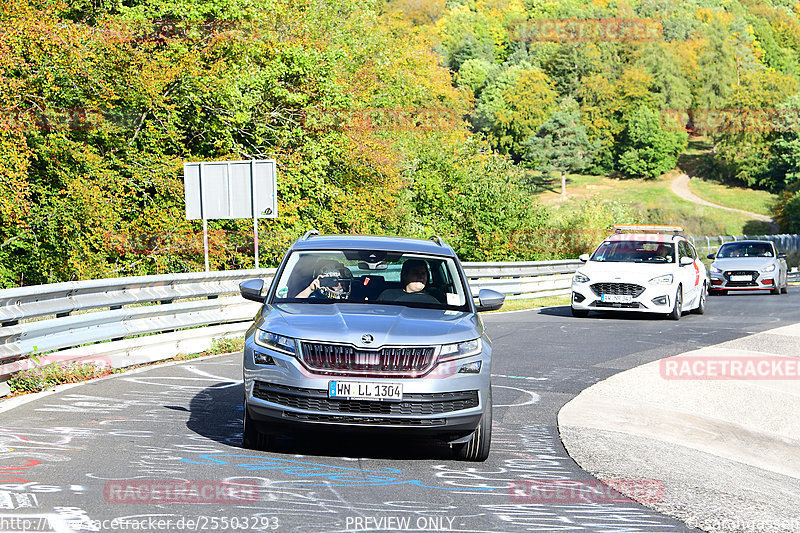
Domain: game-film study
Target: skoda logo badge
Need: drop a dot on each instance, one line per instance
(367, 339)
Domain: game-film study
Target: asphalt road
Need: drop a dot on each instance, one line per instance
(104, 456)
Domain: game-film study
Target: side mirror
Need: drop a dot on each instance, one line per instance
(251, 290)
(490, 300)
(583, 257)
(712, 256)
(685, 261)
(781, 255)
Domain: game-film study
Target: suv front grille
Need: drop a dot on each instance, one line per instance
(617, 288)
(408, 361)
(416, 404)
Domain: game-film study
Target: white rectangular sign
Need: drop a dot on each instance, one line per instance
(228, 189)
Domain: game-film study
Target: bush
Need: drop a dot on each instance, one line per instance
(44, 377)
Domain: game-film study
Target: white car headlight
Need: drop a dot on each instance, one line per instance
(279, 343)
(715, 270)
(662, 280)
(770, 268)
(450, 352)
(580, 277)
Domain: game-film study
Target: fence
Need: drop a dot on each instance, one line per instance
(784, 243)
(127, 321)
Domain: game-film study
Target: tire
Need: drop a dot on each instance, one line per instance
(701, 306)
(477, 449)
(676, 309)
(579, 313)
(252, 437)
(776, 290)
(785, 289)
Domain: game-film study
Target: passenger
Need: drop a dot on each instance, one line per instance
(332, 281)
(414, 280)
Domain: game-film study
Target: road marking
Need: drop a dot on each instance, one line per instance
(534, 397)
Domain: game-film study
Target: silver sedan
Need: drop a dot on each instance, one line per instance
(748, 265)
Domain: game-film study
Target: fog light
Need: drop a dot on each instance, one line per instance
(768, 281)
(716, 282)
(263, 359)
(661, 300)
(470, 368)
(577, 297)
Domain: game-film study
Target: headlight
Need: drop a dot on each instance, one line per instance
(580, 277)
(715, 270)
(450, 352)
(662, 280)
(279, 343)
(770, 268)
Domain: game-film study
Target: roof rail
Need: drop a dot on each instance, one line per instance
(310, 233)
(438, 240)
(619, 228)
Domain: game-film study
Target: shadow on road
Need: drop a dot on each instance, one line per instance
(216, 414)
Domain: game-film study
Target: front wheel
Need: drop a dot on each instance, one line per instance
(477, 449)
(677, 308)
(579, 313)
(252, 438)
(701, 305)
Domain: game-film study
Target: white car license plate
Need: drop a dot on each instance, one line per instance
(616, 298)
(362, 390)
(741, 278)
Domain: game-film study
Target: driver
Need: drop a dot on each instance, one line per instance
(331, 281)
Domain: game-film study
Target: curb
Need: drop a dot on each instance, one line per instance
(726, 450)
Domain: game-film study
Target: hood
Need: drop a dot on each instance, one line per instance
(388, 324)
(743, 263)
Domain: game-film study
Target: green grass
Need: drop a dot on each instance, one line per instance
(654, 201)
(737, 197)
(533, 303)
(41, 378)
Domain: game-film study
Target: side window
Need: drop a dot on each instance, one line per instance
(691, 250)
(683, 250)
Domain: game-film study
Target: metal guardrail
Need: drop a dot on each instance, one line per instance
(784, 242)
(123, 321)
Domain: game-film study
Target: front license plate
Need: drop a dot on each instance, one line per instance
(616, 298)
(741, 278)
(363, 390)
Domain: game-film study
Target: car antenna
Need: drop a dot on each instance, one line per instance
(310, 233)
(438, 240)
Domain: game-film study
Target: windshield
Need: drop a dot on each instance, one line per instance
(360, 276)
(633, 251)
(745, 249)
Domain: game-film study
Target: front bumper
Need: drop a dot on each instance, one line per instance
(286, 395)
(734, 280)
(648, 298)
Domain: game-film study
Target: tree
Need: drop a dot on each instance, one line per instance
(648, 150)
(561, 144)
(513, 108)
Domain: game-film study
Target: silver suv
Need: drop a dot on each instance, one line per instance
(375, 333)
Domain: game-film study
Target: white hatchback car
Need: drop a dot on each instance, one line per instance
(651, 269)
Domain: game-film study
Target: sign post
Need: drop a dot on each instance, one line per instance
(230, 190)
